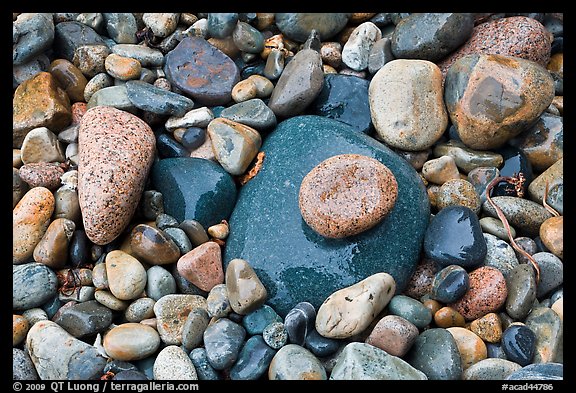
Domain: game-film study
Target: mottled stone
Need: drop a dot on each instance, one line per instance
(421, 281)
(148, 57)
(217, 302)
(245, 290)
(450, 284)
(42, 174)
(551, 273)
(521, 285)
(431, 36)
(406, 104)
(194, 327)
(298, 26)
(199, 117)
(447, 317)
(332, 196)
(297, 264)
(350, 310)
(22, 366)
(356, 50)
(35, 35)
(440, 170)
(152, 245)
(39, 102)
(57, 355)
(519, 36)
(488, 328)
(159, 282)
(275, 335)
(140, 309)
(493, 98)
(487, 293)
(554, 176)
(500, 255)
(171, 312)
(209, 78)
(116, 150)
(162, 24)
(491, 369)
(203, 368)
(253, 113)
(195, 189)
(539, 371)
(255, 321)
(458, 192)
(172, 363)
(360, 361)
(156, 100)
(454, 237)
(525, 215)
(293, 362)
(202, 266)
(247, 38)
(126, 275)
(121, 27)
(471, 347)
(223, 341)
(253, 360)
(90, 59)
(393, 334)
(20, 328)
(30, 219)
(467, 159)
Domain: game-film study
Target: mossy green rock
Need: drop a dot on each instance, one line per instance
(194, 189)
(297, 264)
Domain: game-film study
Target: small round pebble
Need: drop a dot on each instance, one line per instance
(275, 335)
(172, 363)
(519, 343)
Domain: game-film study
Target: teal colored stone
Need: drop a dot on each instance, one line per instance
(257, 320)
(253, 360)
(194, 189)
(297, 264)
(411, 310)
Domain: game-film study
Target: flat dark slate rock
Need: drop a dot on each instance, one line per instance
(295, 263)
(70, 35)
(156, 100)
(201, 71)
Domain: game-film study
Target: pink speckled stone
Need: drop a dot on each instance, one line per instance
(78, 111)
(42, 174)
(517, 36)
(347, 194)
(202, 266)
(487, 293)
(116, 151)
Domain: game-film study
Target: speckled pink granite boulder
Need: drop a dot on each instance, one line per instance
(116, 151)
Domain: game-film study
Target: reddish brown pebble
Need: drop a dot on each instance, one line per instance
(153, 246)
(393, 334)
(552, 235)
(116, 151)
(421, 281)
(78, 111)
(20, 328)
(202, 266)
(517, 36)
(347, 194)
(52, 250)
(487, 293)
(488, 328)
(39, 102)
(42, 174)
(448, 317)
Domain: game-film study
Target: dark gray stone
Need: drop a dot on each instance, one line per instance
(33, 284)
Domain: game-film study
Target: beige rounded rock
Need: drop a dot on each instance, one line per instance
(458, 192)
(172, 363)
(131, 341)
(347, 194)
(245, 290)
(552, 235)
(123, 68)
(41, 145)
(471, 347)
(126, 275)
(350, 310)
(440, 170)
(264, 86)
(30, 219)
(244, 91)
(407, 104)
(558, 308)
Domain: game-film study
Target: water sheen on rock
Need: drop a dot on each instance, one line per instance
(293, 262)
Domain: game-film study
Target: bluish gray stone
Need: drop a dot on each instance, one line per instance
(195, 189)
(253, 360)
(521, 286)
(70, 35)
(436, 354)
(130, 375)
(298, 26)
(549, 331)
(299, 321)
(221, 25)
(254, 113)
(33, 284)
(410, 309)
(360, 361)
(247, 38)
(194, 327)
(450, 284)
(551, 273)
(115, 96)
(35, 35)
(168, 147)
(293, 262)
(22, 366)
(500, 255)
(223, 341)
(156, 100)
(148, 57)
(180, 238)
(539, 371)
(85, 319)
(490, 369)
(121, 27)
(257, 320)
(204, 370)
(519, 343)
(319, 345)
(159, 282)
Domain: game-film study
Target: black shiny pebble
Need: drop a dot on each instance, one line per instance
(193, 137)
(168, 147)
(519, 344)
(515, 162)
(130, 375)
(450, 284)
(299, 322)
(79, 251)
(557, 45)
(319, 345)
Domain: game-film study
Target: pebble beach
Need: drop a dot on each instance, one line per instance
(287, 196)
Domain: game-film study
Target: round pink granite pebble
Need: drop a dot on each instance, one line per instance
(347, 194)
(202, 266)
(42, 174)
(487, 293)
(116, 151)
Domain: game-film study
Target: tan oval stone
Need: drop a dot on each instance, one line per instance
(350, 310)
(39, 102)
(116, 151)
(131, 341)
(42, 145)
(245, 290)
(106, 298)
(552, 235)
(70, 78)
(202, 266)
(458, 192)
(264, 86)
(471, 347)
(153, 246)
(347, 194)
(447, 317)
(171, 313)
(488, 328)
(30, 219)
(20, 328)
(406, 103)
(554, 176)
(52, 250)
(123, 68)
(393, 334)
(244, 91)
(126, 275)
(219, 231)
(440, 170)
